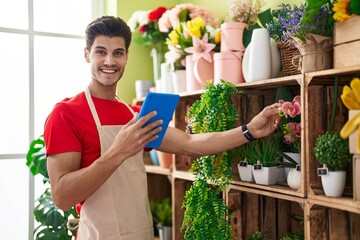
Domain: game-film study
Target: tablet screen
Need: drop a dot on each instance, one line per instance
(164, 104)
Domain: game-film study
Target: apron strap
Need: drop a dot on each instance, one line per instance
(92, 107)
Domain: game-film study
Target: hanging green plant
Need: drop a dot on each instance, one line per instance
(205, 210)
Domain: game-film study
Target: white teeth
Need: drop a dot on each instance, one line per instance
(108, 71)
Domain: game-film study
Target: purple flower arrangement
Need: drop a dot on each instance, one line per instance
(288, 21)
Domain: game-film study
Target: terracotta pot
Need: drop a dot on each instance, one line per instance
(165, 159)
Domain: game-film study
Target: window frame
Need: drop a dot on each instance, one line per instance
(98, 9)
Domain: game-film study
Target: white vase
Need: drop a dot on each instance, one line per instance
(179, 81)
(334, 183)
(246, 173)
(294, 178)
(266, 175)
(275, 61)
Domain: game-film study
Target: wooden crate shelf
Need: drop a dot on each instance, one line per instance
(259, 210)
(330, 222)
(272, 208)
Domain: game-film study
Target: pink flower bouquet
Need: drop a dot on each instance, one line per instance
(292, 129)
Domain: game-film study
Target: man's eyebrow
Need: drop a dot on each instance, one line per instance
(100, 47)
(116, 50)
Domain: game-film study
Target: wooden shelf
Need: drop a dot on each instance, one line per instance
(157, 170)
(341, 203)
(272, 207)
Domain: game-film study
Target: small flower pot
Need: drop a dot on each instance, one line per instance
(165, 233)
(246, 173)
(266, 175)
(294, 178)
(334, 183)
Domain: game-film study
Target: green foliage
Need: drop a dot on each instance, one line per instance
(266, 151)
(257, 236)
(52, 219)
(291, 162)
(36, 158)
(205, 211)
(293, 237)
(162, 212)
(332, 150)
(313, 7)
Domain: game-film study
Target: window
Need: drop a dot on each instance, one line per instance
(42, 62)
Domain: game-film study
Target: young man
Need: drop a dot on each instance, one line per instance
(95, 145)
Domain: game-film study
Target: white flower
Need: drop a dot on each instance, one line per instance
(138, 18)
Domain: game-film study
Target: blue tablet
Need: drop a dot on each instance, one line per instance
(164, 104)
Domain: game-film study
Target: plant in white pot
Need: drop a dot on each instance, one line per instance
(293, 177)
(162, 215)
(248, 157)
(332, 152)
(268, 155)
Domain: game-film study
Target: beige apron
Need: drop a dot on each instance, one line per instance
(119, 209)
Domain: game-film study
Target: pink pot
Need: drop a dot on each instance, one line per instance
(228, 66)
(232, 36)
(198, 73)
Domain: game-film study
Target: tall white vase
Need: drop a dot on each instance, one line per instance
(260, 56)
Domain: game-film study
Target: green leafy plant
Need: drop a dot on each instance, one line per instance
(288, 21)
(205, 211)
(258, 236)
(291, 162)
(162, 212)
(267, 150)
(332, 150)
(248, 152)
(52, 219)
(293, 237)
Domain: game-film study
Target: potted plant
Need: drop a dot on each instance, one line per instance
(213, 112)
(288, 24)
(162, 215)
(291, 130)
(332, 152)
(247, 154)
(52, 220)
(267, 154)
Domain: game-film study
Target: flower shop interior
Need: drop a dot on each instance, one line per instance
(227, 60)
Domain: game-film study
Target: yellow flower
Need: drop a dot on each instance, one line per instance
(195, 26)
(341, 10)
(217, 37)
(174, 36)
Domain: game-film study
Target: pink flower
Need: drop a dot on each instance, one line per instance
(171, 18)
(291, 130)
(201, 48)
(291, 109)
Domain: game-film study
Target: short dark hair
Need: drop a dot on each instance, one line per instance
(108, 26)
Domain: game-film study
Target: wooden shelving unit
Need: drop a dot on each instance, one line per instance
(276, 209)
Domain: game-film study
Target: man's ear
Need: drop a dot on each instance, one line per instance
(86, 55)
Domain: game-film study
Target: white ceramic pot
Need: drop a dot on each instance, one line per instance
(165, 233)
(275, 61)
(334, 183)
(294, 178)
(179, 81)
(295, 156)
(266, 175)
(246, 173)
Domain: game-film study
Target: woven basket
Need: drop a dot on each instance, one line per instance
(288, 52)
